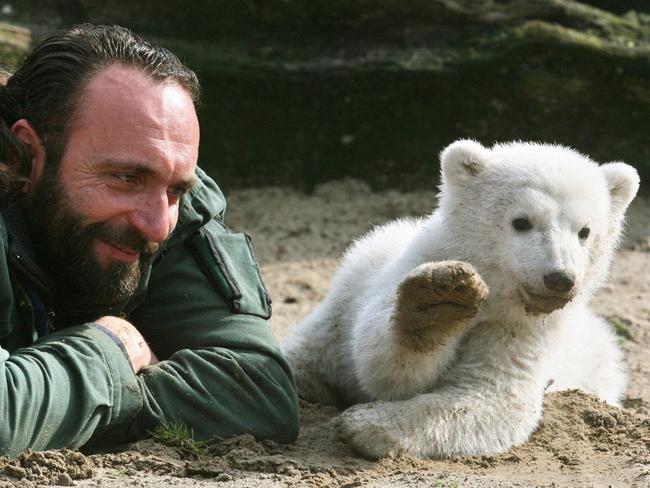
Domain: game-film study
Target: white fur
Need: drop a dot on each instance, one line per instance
(481, 391)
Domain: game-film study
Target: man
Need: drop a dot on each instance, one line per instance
(125, 302)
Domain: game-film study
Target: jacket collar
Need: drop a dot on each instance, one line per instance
(202, 203)
(20, 249)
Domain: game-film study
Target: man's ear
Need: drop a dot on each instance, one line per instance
(25, 133)
(462, 161)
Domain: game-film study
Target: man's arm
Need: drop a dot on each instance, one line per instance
(221, 371)
(57, 392)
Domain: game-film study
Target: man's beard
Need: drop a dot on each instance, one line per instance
(65, 250)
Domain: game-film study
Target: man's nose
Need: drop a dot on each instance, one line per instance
(154, 219)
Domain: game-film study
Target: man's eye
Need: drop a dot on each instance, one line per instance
(126, 177)
(522, 224)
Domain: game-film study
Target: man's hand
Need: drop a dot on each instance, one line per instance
(136, 347)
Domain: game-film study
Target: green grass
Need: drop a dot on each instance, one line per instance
(178, 435)
(621, 328)
(446, 484)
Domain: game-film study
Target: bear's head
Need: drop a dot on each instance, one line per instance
(540, 222)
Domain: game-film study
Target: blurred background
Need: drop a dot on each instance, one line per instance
(300, 92)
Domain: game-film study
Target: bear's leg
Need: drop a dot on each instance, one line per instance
(405, 336)
(435, 302)
(303, 348)
(314, 388)
(454, 421)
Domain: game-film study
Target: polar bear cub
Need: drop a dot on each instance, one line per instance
(444, 332)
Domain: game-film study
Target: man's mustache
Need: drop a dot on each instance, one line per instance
(125, 237)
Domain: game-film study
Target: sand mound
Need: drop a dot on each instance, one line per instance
(577, 429)
(60, 467)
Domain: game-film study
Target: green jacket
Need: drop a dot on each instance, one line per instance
(203, 309)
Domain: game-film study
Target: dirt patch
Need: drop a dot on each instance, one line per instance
(577, 427)
(59, 467)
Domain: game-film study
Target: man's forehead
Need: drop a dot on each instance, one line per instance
(127, 119)
(122, 91)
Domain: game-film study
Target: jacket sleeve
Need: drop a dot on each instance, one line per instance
(58, 391)
(221, 371)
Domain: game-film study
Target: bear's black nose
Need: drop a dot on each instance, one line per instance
(559, 281)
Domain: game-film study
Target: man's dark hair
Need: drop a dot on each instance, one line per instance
(47, 88)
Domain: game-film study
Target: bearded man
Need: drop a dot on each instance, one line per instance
(125, 302)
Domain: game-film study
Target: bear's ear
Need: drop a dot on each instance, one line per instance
(623, 183)
(462, 160)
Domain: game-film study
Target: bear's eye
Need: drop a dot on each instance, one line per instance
(522, 224)
(584, 233)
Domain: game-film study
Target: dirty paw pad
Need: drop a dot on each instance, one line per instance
(435, 298)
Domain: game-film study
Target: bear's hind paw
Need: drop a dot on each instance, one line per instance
(368, 433)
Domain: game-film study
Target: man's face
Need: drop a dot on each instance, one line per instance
(101, 215)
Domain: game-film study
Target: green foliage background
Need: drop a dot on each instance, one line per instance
(302, 91)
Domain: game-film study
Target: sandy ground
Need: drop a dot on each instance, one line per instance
(298, 238)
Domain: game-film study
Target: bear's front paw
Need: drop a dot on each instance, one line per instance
(435, 299)
(371, 430)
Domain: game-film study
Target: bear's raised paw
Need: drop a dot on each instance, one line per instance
(435, 301)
